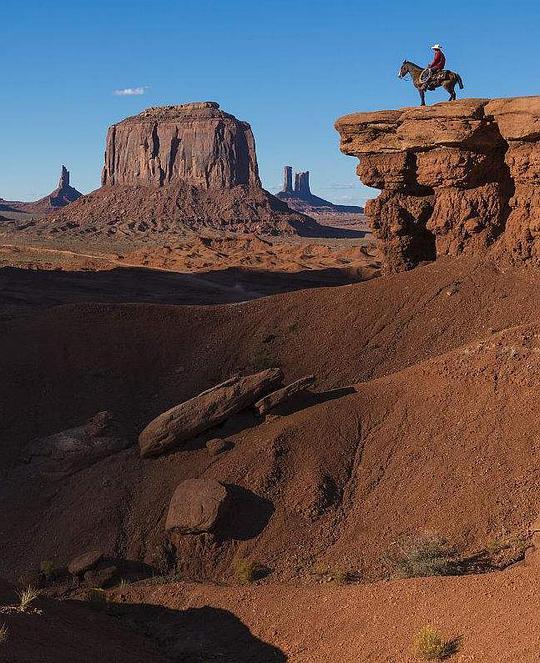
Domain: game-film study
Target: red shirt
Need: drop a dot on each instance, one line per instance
(438, 61)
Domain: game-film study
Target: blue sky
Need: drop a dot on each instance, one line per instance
(289, 68)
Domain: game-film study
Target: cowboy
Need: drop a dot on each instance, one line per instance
(437, 64)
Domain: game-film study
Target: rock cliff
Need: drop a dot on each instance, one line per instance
(175, 169)
(196, 144)
(456, 177)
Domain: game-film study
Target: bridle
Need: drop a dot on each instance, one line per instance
(401, 73)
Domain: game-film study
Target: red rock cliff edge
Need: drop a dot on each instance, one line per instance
(456, 177)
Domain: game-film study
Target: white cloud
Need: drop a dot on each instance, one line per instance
(130, 91)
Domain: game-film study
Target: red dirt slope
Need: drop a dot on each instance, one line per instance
(337, 478)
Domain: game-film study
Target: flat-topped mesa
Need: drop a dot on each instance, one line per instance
(456, 177)
(172, 170)
(196, 144)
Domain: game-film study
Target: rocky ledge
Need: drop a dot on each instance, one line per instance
(456, 177)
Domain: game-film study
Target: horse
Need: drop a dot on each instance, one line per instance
(446, 79)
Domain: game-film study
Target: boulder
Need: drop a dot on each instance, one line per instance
(187, 420)
(274, 399)
(74, 449)
(196, 506)
(85, 562)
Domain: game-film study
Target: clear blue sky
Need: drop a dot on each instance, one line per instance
(289, 68)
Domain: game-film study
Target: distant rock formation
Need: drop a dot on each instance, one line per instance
(302, 200)
(63, 195)
(458, 177)
(196, 144)
(177, 168)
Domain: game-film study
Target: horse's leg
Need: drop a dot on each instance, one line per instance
(449, 86)
(422, 94)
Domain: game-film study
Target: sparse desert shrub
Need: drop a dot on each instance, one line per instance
(338, 576)
(505, 541)
(97, 597)
(3, 633)
(246, 571)
(48, 569)
(420, 555)
(27, 597)
(429, 645)
(163, 580)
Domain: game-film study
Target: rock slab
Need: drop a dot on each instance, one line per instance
(74, 449)
(85, 562)
(185, 421)
(196, 506)
(274, 399)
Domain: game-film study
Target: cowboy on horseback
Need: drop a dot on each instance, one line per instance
(433, 76)
(437, 64)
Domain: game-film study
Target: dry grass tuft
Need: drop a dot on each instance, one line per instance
(3, 633)
(27, 597)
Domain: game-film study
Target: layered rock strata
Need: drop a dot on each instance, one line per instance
(196, 144)
(457, 177)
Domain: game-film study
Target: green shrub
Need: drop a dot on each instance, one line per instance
(429, 645)
(336, 575)
(247, 572)
(48, 569)
(424, 554)
(339, 576)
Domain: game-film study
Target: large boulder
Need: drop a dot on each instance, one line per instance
(187, 420)
(196, 506)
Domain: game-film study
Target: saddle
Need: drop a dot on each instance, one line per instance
(433, 78)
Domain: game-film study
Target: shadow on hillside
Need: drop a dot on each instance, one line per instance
(327, 232)
(306, 399)
(24, 290)
(197, 635)
(251, 515)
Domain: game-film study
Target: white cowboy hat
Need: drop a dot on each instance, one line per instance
(436, 47)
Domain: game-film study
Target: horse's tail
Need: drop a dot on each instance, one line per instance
(459, 81)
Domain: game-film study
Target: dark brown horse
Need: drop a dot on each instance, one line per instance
(447, 79)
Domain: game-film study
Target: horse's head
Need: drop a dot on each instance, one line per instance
(404, 70)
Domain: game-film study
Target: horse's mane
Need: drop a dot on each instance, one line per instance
(413, 64)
